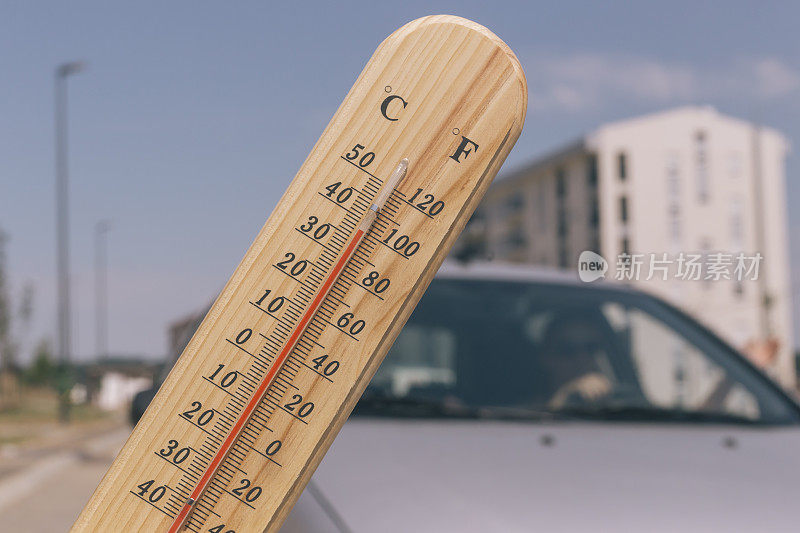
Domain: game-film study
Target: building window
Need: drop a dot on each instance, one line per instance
(562, 223)
(562, 256)
(701, 166)
(591, 170)
(542, 206)
(595, 243)
(622, 166)
(561, 183)
(738, 289)
(674, 198)
(515, 239)
(561, 216)
(593, 203)
(705, 250)
(737, 225)
(674, 212)
(623, 209)
(515, 202)
(594, 214)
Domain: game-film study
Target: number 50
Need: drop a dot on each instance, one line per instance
(355, 153)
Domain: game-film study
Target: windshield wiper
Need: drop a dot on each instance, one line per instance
(411, 407)
(517, 413)
(416, 407)
(642, 413)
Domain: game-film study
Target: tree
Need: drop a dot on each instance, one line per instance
(42, 370)
(7, 348)
(10, 329)
(9, 342)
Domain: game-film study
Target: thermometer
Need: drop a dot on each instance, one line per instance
(243, 419)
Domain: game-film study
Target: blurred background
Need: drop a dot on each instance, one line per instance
(142, 146)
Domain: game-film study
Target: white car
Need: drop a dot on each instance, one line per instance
(521, 401)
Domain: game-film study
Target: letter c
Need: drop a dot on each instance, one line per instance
(385, 106)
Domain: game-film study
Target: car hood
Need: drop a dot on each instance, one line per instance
(393, 475)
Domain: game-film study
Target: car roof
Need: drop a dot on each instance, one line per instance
(498, 271)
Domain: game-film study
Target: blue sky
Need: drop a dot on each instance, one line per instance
(193, 117)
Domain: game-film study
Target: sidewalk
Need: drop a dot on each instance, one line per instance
(48, 491)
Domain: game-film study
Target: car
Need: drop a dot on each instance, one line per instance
(519, 399)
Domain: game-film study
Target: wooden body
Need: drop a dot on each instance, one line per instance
(441, 91)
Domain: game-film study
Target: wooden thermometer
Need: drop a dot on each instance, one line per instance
(262, 389)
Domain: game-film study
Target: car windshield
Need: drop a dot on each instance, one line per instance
(512, 350)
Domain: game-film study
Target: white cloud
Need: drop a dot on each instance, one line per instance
(582, 81)
(775, 78)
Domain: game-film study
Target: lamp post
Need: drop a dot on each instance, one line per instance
(101, 287)
(62, 232)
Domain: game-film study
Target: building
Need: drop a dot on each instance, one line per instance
(111, 383)
(684, 182)
(180, 332)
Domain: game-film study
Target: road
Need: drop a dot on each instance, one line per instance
(48, 494)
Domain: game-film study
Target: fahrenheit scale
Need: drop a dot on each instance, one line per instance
(262, 389)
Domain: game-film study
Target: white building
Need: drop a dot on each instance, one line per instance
(117, 390)
(689, 180)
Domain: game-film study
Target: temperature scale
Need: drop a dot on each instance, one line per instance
(255, 400)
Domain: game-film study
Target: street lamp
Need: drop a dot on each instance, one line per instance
(101, 286)
(62, 231)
